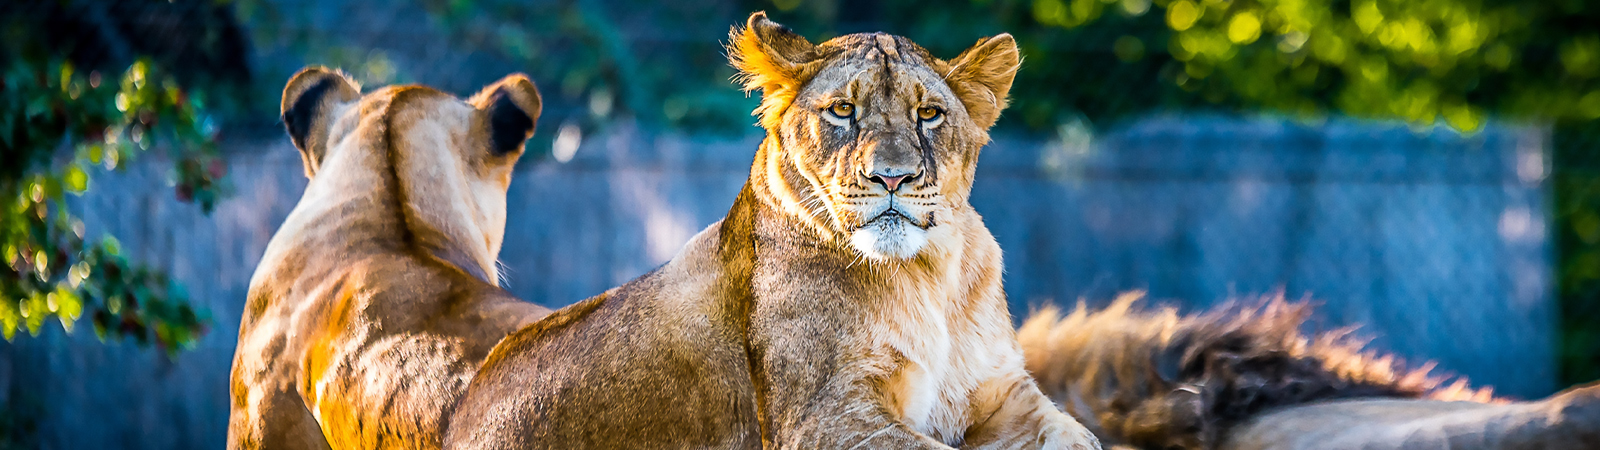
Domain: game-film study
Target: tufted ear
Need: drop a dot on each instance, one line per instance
(307, 101)
(982, 77)
(774, 59)
(513, 105)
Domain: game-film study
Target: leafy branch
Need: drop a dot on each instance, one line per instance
(58, 125)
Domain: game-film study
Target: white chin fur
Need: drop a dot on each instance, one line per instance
(889, 238)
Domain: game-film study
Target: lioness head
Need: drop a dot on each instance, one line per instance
(871, 139)
(438, 166)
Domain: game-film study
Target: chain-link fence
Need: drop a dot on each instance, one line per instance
(1480, 251)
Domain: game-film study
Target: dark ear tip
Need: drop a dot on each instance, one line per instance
(1010, 46)
(1004, 39)
(761, 25)
(525, 85)
(303, 99)
(998, 44)
(516, 78)
(509, 125)
(513, 105)
(757, 18)
(311, 77)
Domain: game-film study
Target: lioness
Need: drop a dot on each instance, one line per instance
(850, 299)
(377, 299)
(1246, 378)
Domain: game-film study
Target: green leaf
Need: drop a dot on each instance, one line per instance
(68, 306)
(10, 317)
(75, 180)
(35, 310)
(38, 106)
(111, 245)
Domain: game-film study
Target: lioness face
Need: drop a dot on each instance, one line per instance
(887, 143)
(884, 137)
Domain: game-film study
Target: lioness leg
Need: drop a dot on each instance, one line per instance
(841, 419)
(276, 420)
(1025, 418)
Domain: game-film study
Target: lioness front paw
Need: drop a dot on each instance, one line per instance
(1068, 434)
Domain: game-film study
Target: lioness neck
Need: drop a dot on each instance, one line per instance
(932, 328)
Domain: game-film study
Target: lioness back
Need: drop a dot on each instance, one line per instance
(649, 364)
(376, 299)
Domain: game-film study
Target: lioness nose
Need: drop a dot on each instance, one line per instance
(890, 182)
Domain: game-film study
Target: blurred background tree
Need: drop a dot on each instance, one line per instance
(84, 90)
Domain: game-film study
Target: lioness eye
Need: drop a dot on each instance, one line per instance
(928, 113)
(842, 109)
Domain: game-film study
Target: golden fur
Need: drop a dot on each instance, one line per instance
(376, 300)
(1245, 377)
(851, 297)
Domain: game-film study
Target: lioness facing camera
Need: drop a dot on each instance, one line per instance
(377, 299)
(850, 299)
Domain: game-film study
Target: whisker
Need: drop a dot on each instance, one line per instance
(503, 273)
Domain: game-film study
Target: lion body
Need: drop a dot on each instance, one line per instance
(1246, 378)
(375, 301)
(821, 312)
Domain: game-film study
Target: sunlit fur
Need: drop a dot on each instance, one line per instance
(807, 317)
(376, 299)
(1244, 376)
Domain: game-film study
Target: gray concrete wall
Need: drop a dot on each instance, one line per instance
(1435, 241)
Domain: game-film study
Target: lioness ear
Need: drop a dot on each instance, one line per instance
(774, 59)
(513, 105)
(307, 99)
(982, 77)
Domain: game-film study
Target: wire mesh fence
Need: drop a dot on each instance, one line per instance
(1479, 250)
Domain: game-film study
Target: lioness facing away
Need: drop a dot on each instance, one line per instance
(376, 300)
(851, 298)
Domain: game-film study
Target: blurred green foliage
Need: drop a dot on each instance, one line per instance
(1421, 61)
(60, 125)
(1450, 61)
(1576, 178)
